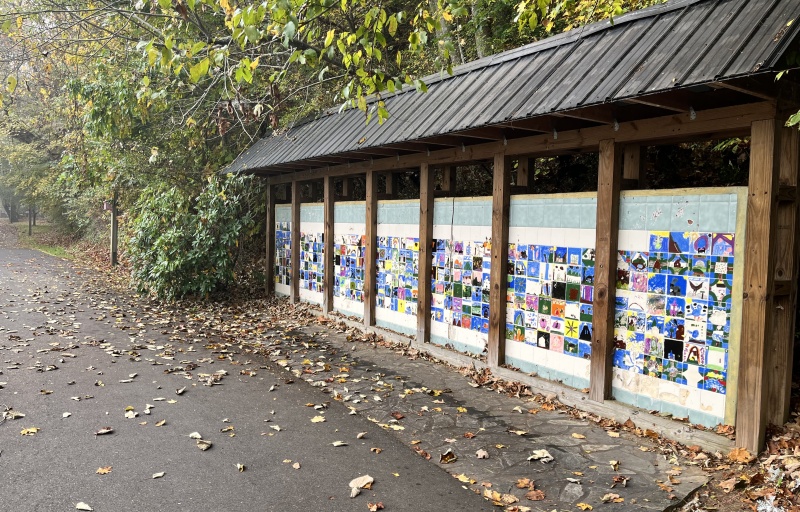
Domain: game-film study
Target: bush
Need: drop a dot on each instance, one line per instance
(186, 246)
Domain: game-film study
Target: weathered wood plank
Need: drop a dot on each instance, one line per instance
(525, 170)
(269, 261)
(327, 236)
(781, 341)
(294, 285)
(757, 304)
(721, 122)
(371, 249)
(609, 180)
(426, 206)
(498, 273)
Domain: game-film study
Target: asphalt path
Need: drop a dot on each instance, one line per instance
(62, 351)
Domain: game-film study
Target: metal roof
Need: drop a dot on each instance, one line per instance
(676, 45)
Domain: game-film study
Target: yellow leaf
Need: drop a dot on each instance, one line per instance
(318, 419)
(104, 470)
(254, 64)
(740, 455)
(29, 431)
(612, 434)
(447, 16)
(578, 436)
(462, 409)
(584, 506)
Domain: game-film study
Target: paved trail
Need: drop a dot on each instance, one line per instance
(67, 345)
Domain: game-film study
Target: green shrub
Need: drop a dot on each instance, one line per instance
(185, 245)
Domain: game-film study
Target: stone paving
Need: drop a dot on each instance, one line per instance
(439, 409)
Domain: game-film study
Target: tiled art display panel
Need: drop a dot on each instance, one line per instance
(348, 258)
(461, 258)
(283, 249)
(398, 266)
(311, 252)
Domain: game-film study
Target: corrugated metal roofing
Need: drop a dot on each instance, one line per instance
(678, 44)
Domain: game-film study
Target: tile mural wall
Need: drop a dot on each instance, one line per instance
(312, 225)
(283, 248)
(348, 257)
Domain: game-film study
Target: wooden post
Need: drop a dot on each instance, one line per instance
(294, 285)
(780, 352)
(609, 178)
(426, 206)
(370, 260)
(632, 175)
(114, 229)
(448, 181)
(327, 266)
(30, 220)
(498, 274)
(759, 279)
(525, 169)
(269, 261)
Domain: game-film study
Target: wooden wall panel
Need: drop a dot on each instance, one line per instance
(609, 181)
(498, 273)
(426, 206)
(758, 304)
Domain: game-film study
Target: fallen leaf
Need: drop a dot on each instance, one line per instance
(276, 428)
(66, 415)
(614, 464)
(461, 409)
(740, 455)
(464, 478)
(518, 409)
(296, 465)
(448, 457)
(180, 391)
(519, 432)
(161, 423)
(398, 416)
(46, 392)
(172, 401)
(131, 414)
(578, 436)
(203, 444)
(374, 507)
(158, 475)
(104, 431)
(469, 435)
(620, 479)
(361, 435)
(541, 455)
(104, 470)
(339, 443)
(612, 498)
(318, 419)
(584, 506)
(729, 484)
(240, 467)
(482, 454)
(535, 495)
(376, 450)
(83, 506)
(30, 431)
(611, 433)
(195, 435)
(524, 483)
(361, 482)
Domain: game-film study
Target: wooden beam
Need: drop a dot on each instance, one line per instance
(294, 285)
(758, 304)
(677, 101)
(370, 261)
(269, 261)
(327, 240)
(603, 114)
(609, 178)
(489, 133)
(780, 351)
(445, 140)
(543, 124)
(722, 122)
(747, 86)
(498, 272)
(416, 147)
(426, 206)
(525, 170)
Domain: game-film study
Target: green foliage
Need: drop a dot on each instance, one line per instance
(185, 245)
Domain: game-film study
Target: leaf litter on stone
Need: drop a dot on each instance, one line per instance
(361, 482)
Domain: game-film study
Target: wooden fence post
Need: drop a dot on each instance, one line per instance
(370, 259)
(269, 261)
(498, 273)
(426, 206)
(609, 178)
(327, 239)
(294, 290)
(759, 282)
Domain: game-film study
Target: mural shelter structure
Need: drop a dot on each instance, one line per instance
(681, 301)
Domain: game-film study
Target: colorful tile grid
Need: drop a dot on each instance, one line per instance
(460, 284)
(673, 308)
(550, 293)
(348, 266)
(398, 274)
(311, 261)
(283, 253)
